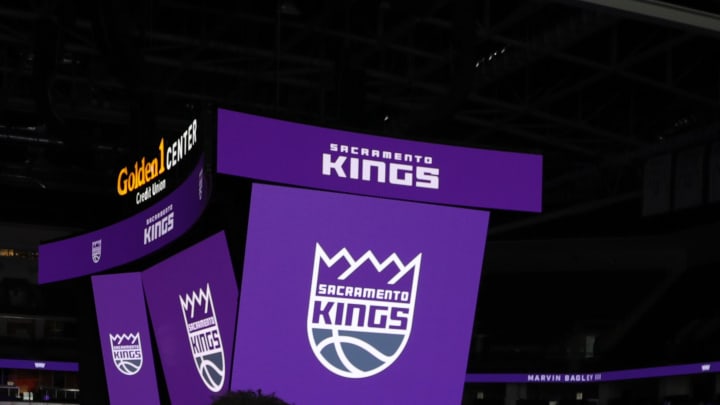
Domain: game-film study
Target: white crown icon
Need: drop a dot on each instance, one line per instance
(197, 298)
(125, 337)
(369, 256)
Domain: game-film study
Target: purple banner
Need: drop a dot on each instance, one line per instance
(39, 365)
(193, 299)
(348, 299)
(605, 376)
(128, 240)
(125, 339)
(309, 156)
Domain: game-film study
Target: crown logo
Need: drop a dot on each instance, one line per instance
(126, 352)
(197, 304)
(125, 339)
(369, 257)
(96, 250)
(201, 325)
(361, 310)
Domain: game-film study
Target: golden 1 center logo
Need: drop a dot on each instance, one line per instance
(138, 177)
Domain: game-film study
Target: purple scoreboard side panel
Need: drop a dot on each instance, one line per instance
(125, 339)
(193, 297)
(357, 300)
(129, 239)
(329, 159)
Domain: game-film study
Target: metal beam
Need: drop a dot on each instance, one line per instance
(509, 106)
(618, 69)
(509, 129)
(620, 254)
(664, 12)
(579, 209)
(675, 268)
(546, 116)
(525, 134)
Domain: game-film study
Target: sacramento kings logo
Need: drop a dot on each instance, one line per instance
(204, 336)
(361, 310)
(96, 250)
(126, 352)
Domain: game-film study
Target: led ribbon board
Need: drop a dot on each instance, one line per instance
(193, 298)
(39, 365)
(347, 299)
(596, 377)
(125, 339)
(309, 156)
(130, 239)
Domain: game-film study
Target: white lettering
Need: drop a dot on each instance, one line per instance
(143, 196)
(182, 146)
(159, 228)
(329, 166)
(367, 166)
(401, 174)
(406, 179)
(158, 186)
(363, 292)
(428, 177)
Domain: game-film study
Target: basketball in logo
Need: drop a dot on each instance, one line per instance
(204, 336)
(96, 250)
(126, 352)
(361, 310)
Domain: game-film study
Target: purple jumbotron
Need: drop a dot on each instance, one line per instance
(348, 299)
(125, 339)
(192, 297)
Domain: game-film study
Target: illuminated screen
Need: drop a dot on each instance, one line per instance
(357, 300)
(148, 176)
(39, 365)
(192, 298)
(596, 377)
(127, 240)
(309, 156)
(125, 339)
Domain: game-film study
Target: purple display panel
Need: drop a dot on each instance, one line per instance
(39, 365)
(605, 376)
(309, 156)
(193, 299)
(356, 300)
(125, 339)
(127, 240)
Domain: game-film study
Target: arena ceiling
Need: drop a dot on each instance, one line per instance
(596, 87)
(603, 89)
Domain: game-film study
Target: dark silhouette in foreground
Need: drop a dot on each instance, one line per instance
(248, 398)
